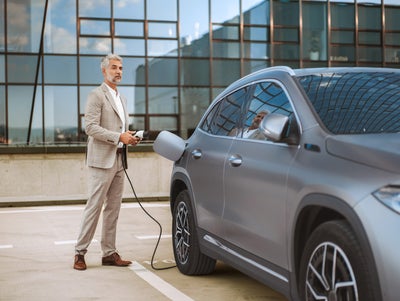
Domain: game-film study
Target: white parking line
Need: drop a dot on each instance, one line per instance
(6, 246)
(69, 242)
(152, 236)
(159, 284)
(78, 207)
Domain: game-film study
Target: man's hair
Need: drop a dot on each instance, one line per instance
(105, 61)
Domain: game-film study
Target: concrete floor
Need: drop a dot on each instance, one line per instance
(37, 249)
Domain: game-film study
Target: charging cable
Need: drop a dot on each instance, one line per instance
(155, 220)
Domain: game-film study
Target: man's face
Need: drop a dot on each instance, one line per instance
(257, 119)
(113, 73)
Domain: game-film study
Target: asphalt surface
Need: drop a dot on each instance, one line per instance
(37, 250)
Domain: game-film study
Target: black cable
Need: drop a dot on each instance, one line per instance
(159, 225)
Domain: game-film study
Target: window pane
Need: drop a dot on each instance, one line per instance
(392, 18)
(256, 34)
(24, 25)
(129, 9)
(90, 71)
(256, 50)
(370, 54)
(2, 19)
(225, 32)
(94, 45)
(286, 13)
(193, 26)
(60, 30)
(21, 68)
(372, 38)
(194, 102)
(129, 47)
(162, 47)
(286, 52)
(392, 39)
(61, 114)
(226, 49)
(3, 139)
(342, 15)
(163, 100)
(60, 70)
(135, 99)
(129, 29)
(95, 27)
(369, 17)
(162, 30)
(254, 65)
(164, 123)
(343, 37)
(225, 11)
(98, 9)
(286, 35)
(19, 110)
(225, 72)
(133, 71)
(163, 72)
(2, 69)
(83, 94)
(195, 72)
(162, 10)
(197, 48)
(255, 12)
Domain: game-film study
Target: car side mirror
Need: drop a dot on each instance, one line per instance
(274, 126)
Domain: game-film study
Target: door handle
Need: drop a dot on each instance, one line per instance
(235, 160)
(196, 154)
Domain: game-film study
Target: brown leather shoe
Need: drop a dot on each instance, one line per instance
(115, 259)
(79, 263)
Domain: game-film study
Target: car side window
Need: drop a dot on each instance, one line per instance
(267, 97)
(224, 116)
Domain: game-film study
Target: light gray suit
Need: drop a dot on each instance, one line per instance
(106, 174)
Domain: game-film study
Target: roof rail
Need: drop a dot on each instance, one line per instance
(282, 68)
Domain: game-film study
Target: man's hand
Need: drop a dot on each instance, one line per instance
(128, 138)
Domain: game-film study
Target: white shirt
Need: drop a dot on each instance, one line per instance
(120, 108)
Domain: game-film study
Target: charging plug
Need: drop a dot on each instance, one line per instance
(139, 134)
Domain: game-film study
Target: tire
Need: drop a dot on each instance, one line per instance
(188, 256)
(334, 267)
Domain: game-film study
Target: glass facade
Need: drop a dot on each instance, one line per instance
(178, 55)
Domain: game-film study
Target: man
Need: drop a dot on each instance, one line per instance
(107, 121)
(253, 132)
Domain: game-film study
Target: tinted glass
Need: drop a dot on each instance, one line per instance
(224, 117)
(356, 103)
(60, 69)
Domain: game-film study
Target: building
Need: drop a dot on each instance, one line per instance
(178, 55)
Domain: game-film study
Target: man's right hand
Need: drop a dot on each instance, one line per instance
(128, 138)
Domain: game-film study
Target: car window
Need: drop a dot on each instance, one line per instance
(267, 97)
(224, 116)
(355, 103)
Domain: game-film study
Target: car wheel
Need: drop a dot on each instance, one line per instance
(333, 266)
(188, 256)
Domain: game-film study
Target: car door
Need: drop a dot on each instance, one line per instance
(207, 153)
(255, 183)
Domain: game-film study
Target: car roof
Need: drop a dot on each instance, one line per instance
(280, 72)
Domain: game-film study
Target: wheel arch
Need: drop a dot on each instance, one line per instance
(179, 182)
(316, 209)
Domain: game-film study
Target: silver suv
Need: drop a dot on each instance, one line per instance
(293, 177)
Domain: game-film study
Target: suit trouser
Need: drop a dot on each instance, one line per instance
(105, 188)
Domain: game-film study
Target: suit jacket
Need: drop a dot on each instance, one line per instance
(103, 126)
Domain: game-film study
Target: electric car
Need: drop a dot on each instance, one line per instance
(310, 205)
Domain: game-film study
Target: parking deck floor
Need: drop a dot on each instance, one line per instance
(37, 250)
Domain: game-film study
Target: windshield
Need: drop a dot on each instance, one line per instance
(355, 103)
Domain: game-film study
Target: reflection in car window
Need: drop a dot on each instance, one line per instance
(225, 115)
(270, 97)
(355, 103)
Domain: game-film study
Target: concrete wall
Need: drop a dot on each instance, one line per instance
(62, 178)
